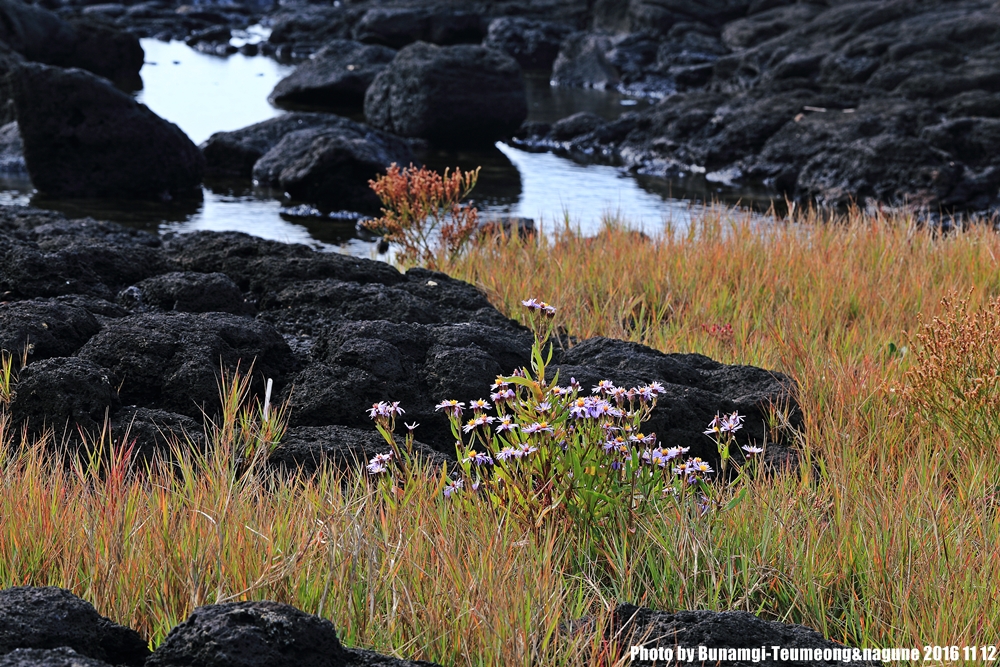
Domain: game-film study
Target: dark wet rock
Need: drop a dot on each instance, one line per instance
(332, 164)
(65, 394)
(400, 26)
(186, 291)
(260, 634)
(318, 157)
(640, 626)
(267, 267)
(56, 657)
(336, 77)
(107, 52)
(831, 102)
(172, 360)
(448, 95)
(84, 138)
(156, 432)
(42, 36)
(11, 150)
(235, 153)
(47, 617)
(533, 44)
(307, 448)
(45, 327)
(697, 389)
(361, 363)
(311, 26)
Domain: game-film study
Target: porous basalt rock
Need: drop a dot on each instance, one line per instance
(260, 634)
(186, 291)
(47, 617)
(45, 328)
(65, 394)
(172, 360)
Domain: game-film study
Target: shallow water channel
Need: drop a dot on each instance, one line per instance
(203, 94)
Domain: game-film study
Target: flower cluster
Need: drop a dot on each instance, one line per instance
(541, 448)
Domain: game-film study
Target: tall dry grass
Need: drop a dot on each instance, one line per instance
(887, 536)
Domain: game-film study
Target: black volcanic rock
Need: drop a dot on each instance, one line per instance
(53, 657)
(186, 291)
(47, 617)
(438, 24)
(332, 165)
(532, 43)
(172, 360)
(448, 95)
(65, 394)
(45, 328)
(261, 634)
(84, 138)
(336, 76)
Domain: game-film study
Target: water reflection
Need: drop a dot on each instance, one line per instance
(204, 94)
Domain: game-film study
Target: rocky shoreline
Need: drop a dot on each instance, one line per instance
(134, 326)
(828, 102)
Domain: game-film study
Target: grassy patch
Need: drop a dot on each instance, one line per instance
(885, 537)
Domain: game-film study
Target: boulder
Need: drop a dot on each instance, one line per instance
(172, 360)
(533, 44)
(260, 634)
(399, 26)
(84, 138)
(307, 448)
(336, 77)
(451, 95)
(42, 36)
(66, 394)
(46, 617)
(44, 328)
(333, 164)
(696, 390)
(186, 291)
(725, 630)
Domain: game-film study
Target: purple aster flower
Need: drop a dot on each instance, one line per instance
(527, 449)
(508, 452)
(537, 427)
(532, 304)
(732, 423)
(379, 462)
(476, 422)
(544, 406)
(452, 408)
(411, 427)
(480, 404)
(452, 487)
(573, 384)
(675, 452)
(656, 388)
(506, 424)
(604, 387)
(752, 450)
(478, 458)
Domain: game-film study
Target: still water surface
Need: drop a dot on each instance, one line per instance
(204, 94)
